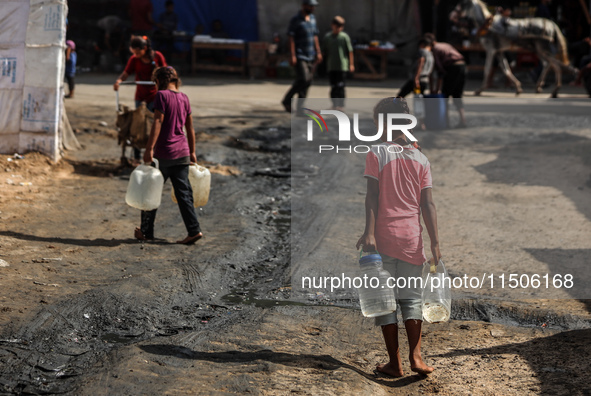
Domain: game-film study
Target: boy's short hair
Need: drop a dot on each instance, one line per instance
(425, 42)
(391, 105)
(430, 37)
(168, 3)
(338, 20)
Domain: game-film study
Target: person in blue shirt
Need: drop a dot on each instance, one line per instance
(70, 67)
(304, 48)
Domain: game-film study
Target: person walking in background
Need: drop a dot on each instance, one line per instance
(70, 67)
(112, 40)
(174, 150)
(399, 189)
(142, 63)
(451, 74)
(142, 22)
(422, 70)
(304, 49)
(166, 26)
(338, 54)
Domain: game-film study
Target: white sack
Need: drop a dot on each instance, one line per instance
(46, 22)
(13, 17)
(29, 141)
(12, 69)
(44, 67)
(40, 110)
(10, 115)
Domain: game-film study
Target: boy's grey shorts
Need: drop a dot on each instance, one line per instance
(409, 298)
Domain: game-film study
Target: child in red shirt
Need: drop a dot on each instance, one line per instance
(398, 191)
(143, 63)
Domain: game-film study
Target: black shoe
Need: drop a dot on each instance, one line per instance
(286, 106)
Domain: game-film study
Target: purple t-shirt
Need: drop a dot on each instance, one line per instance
(172, 142)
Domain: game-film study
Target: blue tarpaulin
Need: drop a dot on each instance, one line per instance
(239, 17)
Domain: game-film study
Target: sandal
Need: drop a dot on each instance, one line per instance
(139, 235)
(190, 239)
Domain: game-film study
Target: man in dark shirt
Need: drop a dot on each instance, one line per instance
(451, 72)
(304, 52)
(167, 25)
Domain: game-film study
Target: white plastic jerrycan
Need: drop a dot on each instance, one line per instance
(200, 179)
(144, 190)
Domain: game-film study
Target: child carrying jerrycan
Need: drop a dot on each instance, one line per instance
(399, 191)
(173, 150)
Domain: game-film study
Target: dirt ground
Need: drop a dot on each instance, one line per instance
(85, 309)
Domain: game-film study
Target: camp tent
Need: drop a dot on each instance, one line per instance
(32, 52)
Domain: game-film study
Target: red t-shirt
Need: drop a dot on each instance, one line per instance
(401, 176)
(143, 72)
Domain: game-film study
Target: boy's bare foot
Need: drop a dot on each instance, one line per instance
(389, 369)
(191, 239)
(418, 366)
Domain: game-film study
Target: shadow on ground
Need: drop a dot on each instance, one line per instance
(78, 242)
(324, 362)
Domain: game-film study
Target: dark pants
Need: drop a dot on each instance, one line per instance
(301, 84)
(453, 83)
(71, 83)
(179, 176)
(337, 87)
(409, 86)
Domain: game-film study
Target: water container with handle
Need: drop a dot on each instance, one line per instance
(419, 104)
(144, 190)
(436, 292)
(200, 179)
(375, 297)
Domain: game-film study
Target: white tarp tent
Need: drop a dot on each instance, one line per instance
(32, 61)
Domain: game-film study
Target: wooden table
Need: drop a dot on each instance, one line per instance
(218, 46)
(361, 58)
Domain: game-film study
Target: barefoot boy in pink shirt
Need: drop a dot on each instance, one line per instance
(398, 190)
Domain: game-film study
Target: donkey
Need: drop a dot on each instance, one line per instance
(499, 34)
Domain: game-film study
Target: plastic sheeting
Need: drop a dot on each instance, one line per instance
(10, 120)
(13, 17)
(46, 24)
(32, 61)
(12, 68)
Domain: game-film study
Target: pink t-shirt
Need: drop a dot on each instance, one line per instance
(172, 141)
(401, 176)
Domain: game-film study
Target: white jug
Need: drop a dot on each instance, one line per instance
(144, 190)
(200, 179)
(436, 299)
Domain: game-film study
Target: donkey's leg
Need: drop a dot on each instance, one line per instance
(557, 67)
(507, 70)
(487, 70)
(543, 74)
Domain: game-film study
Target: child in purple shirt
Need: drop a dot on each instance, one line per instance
(174, 151)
